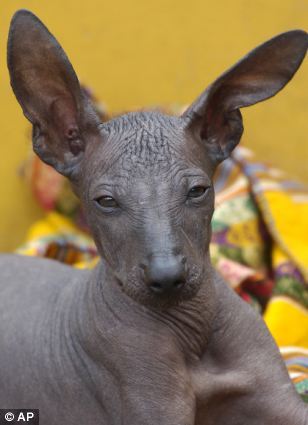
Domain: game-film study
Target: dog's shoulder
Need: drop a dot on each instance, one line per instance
(31, 272)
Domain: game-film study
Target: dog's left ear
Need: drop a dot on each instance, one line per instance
(214, 117)
(48, 90)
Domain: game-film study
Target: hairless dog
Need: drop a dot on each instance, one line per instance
(152, 335)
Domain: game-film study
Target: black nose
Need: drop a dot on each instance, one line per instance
(165, 274)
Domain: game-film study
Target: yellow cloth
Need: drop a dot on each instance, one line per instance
(287, 322)
(289, 211)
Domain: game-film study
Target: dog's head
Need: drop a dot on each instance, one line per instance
(145, 178)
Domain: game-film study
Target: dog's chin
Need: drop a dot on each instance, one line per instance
(138, 291)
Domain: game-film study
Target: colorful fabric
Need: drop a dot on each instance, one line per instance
(58, 238)
(260, 228)
(296, 359)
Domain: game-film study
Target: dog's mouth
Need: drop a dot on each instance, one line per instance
(137, 289)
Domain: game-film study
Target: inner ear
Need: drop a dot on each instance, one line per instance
(63, 113)
(220, 129)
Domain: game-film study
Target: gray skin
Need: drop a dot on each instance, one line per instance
(152, 335)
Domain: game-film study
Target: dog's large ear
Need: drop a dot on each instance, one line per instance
(49, 93)
(215, 117)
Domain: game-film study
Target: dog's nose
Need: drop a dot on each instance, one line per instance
(165, 274)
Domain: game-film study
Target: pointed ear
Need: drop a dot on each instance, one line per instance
(215, 117)
(49, 93)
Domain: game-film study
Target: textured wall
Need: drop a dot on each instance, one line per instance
(145, 52)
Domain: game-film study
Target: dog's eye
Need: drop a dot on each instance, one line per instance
(197, 191)
(107, 202)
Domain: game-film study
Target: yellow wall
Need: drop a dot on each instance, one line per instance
(149, 52)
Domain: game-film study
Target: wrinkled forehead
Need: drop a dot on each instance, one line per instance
(145, 142)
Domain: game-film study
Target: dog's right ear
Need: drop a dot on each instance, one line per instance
(49, 93)
(215, 118)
